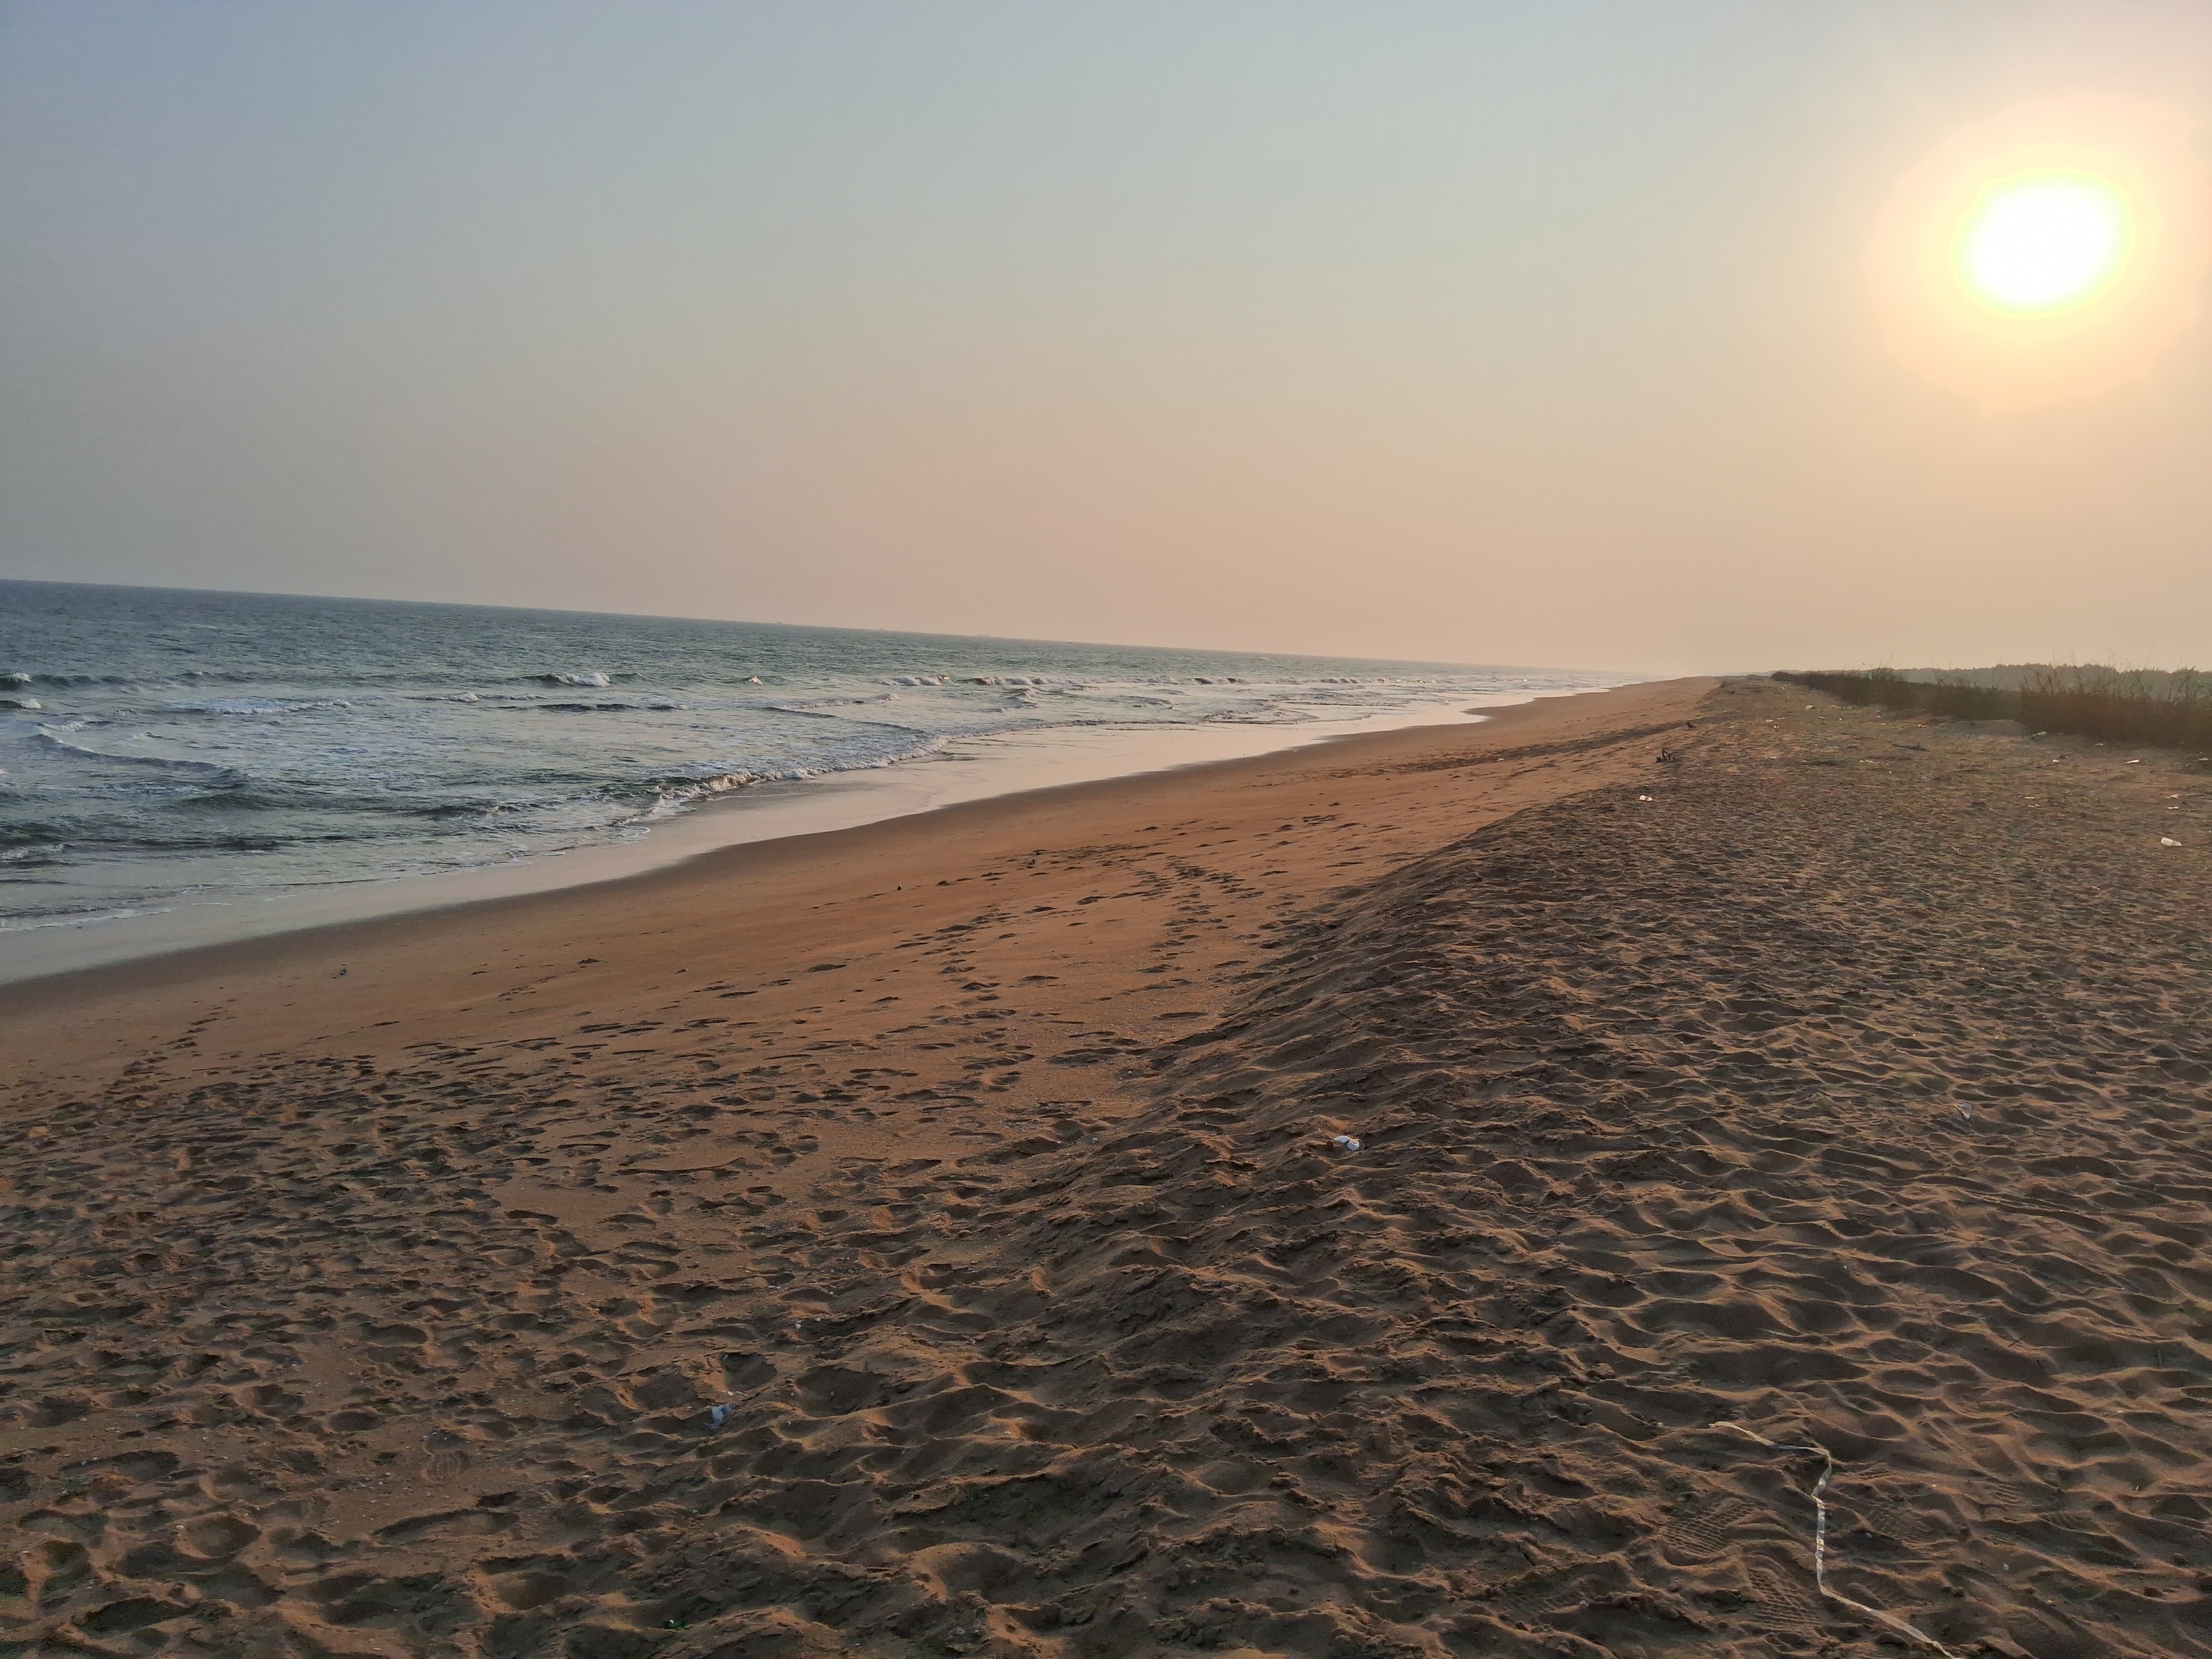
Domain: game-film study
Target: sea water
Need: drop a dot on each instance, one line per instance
(160, 748)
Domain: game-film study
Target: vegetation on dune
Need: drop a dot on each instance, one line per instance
(2154, 707)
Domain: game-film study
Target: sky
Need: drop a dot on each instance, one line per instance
(1552, 334)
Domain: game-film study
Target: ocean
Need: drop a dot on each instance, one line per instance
(165, 748)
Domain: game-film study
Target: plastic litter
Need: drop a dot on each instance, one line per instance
(1644, 798)
(1345, 1141)
(1966, 1111)
(1820, 1542)
(2167, 841)
(718, 1415)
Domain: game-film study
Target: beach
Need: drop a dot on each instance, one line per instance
(179, 769)
(1414, 1194)
(974, 770)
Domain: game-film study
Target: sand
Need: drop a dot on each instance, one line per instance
(1834, 1076)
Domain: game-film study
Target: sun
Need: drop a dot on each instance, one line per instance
(2047, 253)
(2044, 242)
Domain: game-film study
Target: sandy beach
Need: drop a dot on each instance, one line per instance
(978, 769)
(1370, 1199)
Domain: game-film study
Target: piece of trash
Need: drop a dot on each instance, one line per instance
(2134, 763)
(718, 1415)
(1966, 1111)
(1644, 798)
(2167, 841)
(1345, 1141)
(1819, 1495)
(341, 973)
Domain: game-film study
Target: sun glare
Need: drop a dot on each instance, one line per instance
(2044, 243)
(2051, 253)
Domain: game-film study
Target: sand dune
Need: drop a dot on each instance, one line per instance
(791, 1254)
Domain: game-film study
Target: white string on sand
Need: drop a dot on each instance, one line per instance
(1820, 1542)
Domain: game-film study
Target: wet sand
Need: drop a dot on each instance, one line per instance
(1836, 1077)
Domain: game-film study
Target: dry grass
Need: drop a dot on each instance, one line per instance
(2158, 710)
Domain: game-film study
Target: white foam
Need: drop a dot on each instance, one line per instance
(80, 919)
(254, 706)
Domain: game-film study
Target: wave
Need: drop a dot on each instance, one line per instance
(33, 843)
(254, 706)
(64, 681)
(593, 680)
(809, 711)
(672, 794)
(213, 771)
(604, 707)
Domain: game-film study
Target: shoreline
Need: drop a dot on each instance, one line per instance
(966, 771)
(746, 895)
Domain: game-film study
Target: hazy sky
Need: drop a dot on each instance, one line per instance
(1528, 332)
